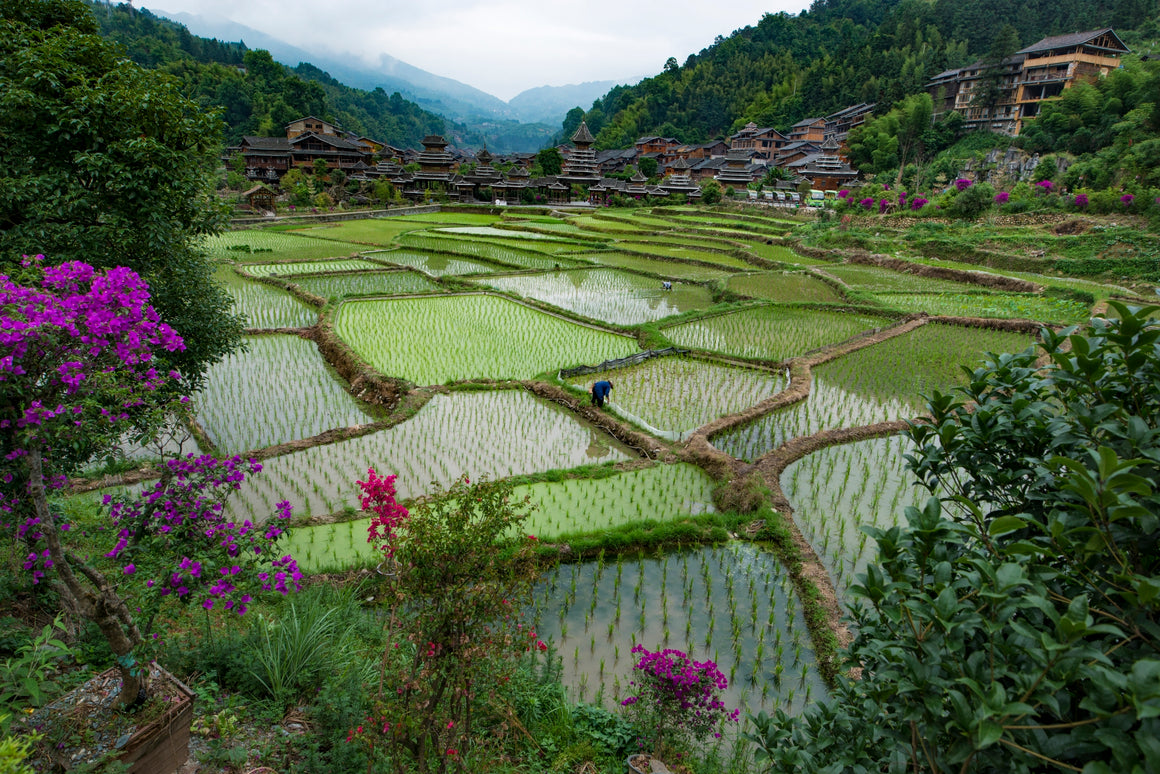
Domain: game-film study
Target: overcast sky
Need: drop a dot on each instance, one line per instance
(500, 46)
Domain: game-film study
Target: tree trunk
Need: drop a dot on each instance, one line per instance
(97, 599)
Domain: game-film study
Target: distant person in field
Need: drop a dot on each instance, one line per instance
(666, 285)
(600, 392)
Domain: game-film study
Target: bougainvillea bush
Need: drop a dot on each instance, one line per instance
(676, 700)
(76, 379)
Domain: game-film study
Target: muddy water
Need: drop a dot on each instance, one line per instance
(733, 605)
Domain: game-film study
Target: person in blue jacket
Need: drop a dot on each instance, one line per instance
(600, 393)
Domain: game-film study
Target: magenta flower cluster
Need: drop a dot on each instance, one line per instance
(917, 203)
(1002, 197)
(868, 202)
(1081, 200)
(77, 363)
(1045, 186)
(78, 326)
(963, 184)
(1127, 200)
(686, 693)
(213, 558)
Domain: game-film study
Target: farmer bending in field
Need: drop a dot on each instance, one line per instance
(600, 393)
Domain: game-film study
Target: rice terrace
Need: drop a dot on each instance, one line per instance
(436, 344)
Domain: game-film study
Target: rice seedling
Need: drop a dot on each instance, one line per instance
(876, 384)
(992, 305)
(456, 434)
(307, 267)
(690, 627)
(876, 278)
(679, 394)
(614, 296)
(257, 245)
(378, 283)
(837, 490)
(435, 264)
(661, 493)
(784, 287)
(278, 390)
(435, 340)
(261, 305)
(373, 231)
(485, 250)
(771, 333)
(670, 269)
(489, 231)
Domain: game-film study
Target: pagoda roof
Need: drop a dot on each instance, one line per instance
(434, 141)
(638, 177)
(680, 163)
(582, 134)
(831, 144)
(1073, 39)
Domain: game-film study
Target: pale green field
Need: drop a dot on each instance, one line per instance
(772, 333)
(881, 383)
(784, 287)
(671, 269)
(278, 245)
(679, 394)
(263, 306)
(243, 406)
(307, 267)
(367, 284)
(617, 297)
(441, 339)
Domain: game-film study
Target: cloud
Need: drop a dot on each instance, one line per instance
(500, 47)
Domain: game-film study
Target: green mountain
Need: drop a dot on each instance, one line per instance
(838, 53)
(259, 96)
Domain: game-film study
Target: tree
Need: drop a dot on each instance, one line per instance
(1003, 47)
(462, 571)
(572, 122)
(108, 163)
(711, 192)
(647, 166)
(550, 161)
(81, 376)
(1014, 624)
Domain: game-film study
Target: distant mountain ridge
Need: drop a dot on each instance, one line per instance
(448, 97)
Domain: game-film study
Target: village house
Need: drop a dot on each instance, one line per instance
(764, 141)
(808, 130)
(307, 140)
(1034, 74)
(658, 145)
(839, 124)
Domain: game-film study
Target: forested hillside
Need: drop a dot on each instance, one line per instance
(838, 53)
(257, 95)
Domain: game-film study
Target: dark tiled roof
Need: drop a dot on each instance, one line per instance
(266, 143)
(1066, 41)
(329, 139)
(583, 135)
(807, 122)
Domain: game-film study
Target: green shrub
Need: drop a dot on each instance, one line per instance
(1012, 626)
(972, 202)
